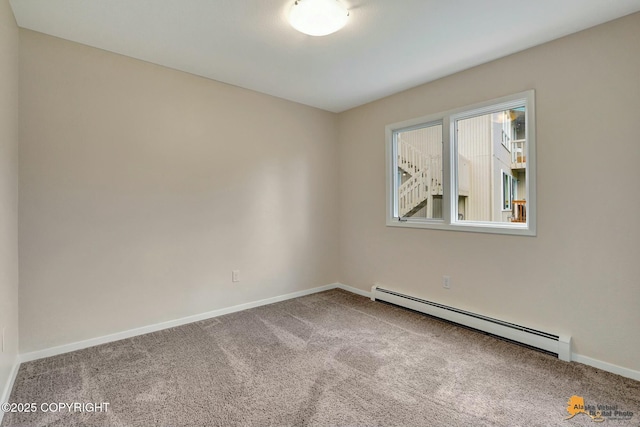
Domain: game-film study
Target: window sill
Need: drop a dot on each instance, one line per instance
(514, 229)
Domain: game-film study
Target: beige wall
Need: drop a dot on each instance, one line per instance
(141, 188)
(581, 274)
(8, 191)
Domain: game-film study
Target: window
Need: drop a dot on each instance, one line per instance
(469, 169)
(507, 191)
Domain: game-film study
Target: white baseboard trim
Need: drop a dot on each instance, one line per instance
(606, 366)
(353, 290)
(6, 392)
(79, 345)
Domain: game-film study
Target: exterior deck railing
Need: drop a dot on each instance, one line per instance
(518, 154)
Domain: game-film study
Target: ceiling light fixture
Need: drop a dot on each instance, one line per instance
(318, 17)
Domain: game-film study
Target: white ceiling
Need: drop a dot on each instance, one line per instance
(387, 45)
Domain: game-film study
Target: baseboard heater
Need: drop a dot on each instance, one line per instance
(556, 344)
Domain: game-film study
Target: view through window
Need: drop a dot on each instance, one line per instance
(492, 172)
(419, 170)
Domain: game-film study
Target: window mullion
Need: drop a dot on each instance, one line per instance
(448, 181)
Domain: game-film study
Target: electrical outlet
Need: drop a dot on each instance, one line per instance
(446, 282)
(3, 328)
(235, 275)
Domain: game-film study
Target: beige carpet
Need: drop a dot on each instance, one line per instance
(332, 358)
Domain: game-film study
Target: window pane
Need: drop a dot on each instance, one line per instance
(419, 171)
(492, 167)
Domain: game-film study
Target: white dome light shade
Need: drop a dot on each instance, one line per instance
(318, 17)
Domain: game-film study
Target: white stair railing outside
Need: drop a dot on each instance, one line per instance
(413, 192)
(425, 180)
(411, 159)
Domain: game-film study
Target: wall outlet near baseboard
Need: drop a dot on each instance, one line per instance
(235, 275)
(3, 328)
(446, 282)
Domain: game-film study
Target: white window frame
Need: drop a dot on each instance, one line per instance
(450, 219)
